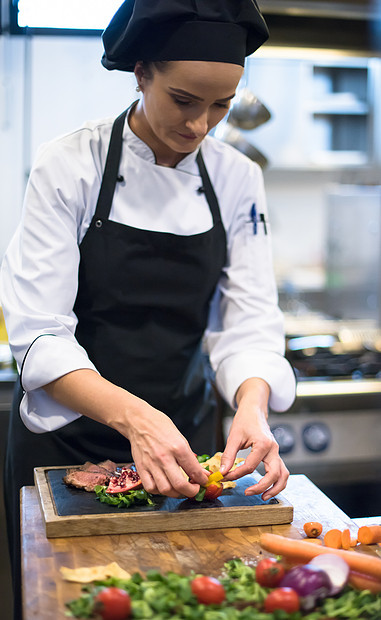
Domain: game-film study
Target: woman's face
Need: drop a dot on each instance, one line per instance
(181, 104)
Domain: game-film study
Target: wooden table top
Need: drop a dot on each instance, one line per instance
(45, 592)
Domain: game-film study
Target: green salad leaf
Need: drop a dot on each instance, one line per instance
(163, 596)
(124, 500)
(203, 458)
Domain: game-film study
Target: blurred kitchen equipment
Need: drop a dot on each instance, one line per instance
(229, 134)
(353, 268)
(247, 112)
(332, 433)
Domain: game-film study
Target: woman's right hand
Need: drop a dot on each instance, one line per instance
(158, 448)
(161, 452)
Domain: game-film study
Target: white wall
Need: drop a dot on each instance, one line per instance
(11, 137)
(48, 86)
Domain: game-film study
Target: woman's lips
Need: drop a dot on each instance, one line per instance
(187, 137)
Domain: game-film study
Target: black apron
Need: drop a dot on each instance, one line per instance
(142, 306)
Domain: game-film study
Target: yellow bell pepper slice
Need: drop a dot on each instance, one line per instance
(215, 477)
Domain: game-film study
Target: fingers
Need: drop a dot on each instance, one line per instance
(167, 474)
(228, 458)
(266, 450)
(157, 482)
(163, 457)
(189, 463)
(271, 484)
(259, 451)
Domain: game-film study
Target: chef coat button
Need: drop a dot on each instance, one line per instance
(99, 223)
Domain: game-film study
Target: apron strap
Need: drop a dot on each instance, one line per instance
(110, 175)
(208, 189)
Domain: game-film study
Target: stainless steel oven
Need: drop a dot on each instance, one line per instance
(332, 433)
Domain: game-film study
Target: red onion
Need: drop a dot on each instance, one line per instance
(310, 582)
(336, 568)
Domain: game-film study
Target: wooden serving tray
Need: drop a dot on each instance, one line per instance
(69, 512)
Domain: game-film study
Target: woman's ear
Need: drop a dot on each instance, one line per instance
(139, 74)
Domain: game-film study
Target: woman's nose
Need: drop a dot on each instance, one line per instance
(199, 125)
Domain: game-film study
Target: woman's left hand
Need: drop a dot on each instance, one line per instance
(250, 429)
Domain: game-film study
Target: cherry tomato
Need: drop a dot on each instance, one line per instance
(213, 490)
(113, 604)
(269, 572)
(282, 598)
(208, 590)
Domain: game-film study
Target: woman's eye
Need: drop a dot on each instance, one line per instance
(181, 101)
(226, 106)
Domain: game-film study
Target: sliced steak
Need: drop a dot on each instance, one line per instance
(109, 466)
(89, 475)
(86, 480)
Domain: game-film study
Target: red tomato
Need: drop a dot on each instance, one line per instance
(113, 604)
(208, 590)
(282, 598)
(269, 572)
(213, 490)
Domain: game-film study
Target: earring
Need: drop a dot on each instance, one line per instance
(138, 89)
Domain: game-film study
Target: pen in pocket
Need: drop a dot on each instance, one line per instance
(253, 215)
(262, 219)
(257, 218)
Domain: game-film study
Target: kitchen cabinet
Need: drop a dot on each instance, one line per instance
(324, 110)
(6, 392)
(340, 108)
(45, 593)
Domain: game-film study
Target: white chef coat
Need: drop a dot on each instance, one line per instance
(39, 278)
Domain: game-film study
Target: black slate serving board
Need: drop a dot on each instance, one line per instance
(68, 511)
(72, 501)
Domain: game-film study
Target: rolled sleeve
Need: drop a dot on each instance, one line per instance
(39, 281)
(272, 368)
(49, 358)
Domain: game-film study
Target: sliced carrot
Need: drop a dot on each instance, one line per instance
(364, 582)
(317, 541)
(298, 549)
(345, 539)
(354, 542)
(313, 529)
(369, 534)
(332, 539)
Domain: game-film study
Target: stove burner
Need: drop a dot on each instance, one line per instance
(323, 363)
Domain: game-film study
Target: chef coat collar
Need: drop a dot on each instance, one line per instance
(141, 149)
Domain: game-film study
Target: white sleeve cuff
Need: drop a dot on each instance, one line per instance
(266, 365)
(49, 358)
(41, 414)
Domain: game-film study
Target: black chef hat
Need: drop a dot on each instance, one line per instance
(210, 30)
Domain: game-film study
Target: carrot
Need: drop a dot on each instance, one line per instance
(332, 538)
(354, 542)
(297, 549)
(313, 529)
(317, 541)
(369, 534)
(345, 539)
(364, 582)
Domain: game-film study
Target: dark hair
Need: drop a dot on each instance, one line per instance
(149, 67)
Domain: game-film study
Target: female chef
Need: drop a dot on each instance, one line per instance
(140, 247)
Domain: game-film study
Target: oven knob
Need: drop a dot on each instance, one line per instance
(316, 437)
(285, 437)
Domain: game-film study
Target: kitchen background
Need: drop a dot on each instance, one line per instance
(319, 77)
